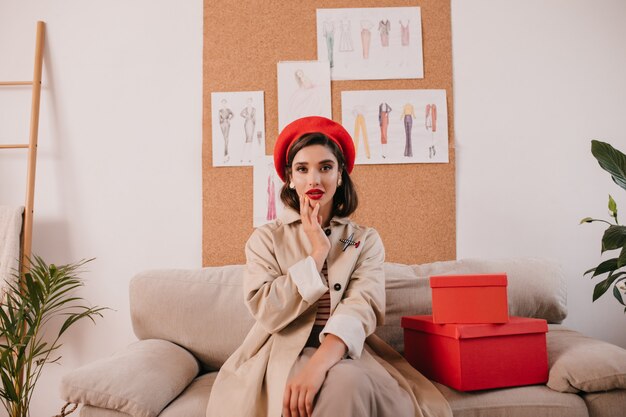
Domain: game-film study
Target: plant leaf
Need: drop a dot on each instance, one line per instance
(604, 267)
(603, 286)
(617, 294)
(611, 160)
(74, 317)
(612, 207)
(9, 388)
(614, 238)
(590, 270)
(621, 260)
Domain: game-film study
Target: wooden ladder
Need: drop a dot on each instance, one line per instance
(27, 237)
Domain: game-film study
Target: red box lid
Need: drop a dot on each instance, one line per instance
(516, 325)
(469, 280)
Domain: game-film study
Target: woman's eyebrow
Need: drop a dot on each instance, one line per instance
(325, 161)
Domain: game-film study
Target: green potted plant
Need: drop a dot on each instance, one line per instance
(614, 238)
(39, 295)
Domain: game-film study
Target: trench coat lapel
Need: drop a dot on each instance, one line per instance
(341, 262)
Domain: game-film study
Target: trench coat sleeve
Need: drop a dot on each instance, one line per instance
(362, 306)
(276, 299)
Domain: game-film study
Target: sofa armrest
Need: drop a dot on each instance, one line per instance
(140, 380)
(580, 363)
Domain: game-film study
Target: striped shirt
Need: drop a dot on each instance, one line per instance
(323, 304)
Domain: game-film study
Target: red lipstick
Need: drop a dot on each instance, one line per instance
(315, 194)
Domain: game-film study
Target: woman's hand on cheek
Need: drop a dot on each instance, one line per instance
(300, 392)
(311, 222)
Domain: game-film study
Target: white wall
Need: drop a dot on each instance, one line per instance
(534, 82)
(119, 172)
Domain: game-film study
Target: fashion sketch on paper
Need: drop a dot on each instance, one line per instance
(360, 130)
(408, 114)
(249, 115)
(404, 33)
(271, 193)
(384, 27)
(366, 37)
(431, 126)
(383, 120)
(405, 40)
(306, 100)
(225, 114)
(329, 35)
(345, 40)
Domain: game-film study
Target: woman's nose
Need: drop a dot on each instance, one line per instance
(314, 178)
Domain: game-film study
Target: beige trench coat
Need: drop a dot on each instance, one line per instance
(252, 381)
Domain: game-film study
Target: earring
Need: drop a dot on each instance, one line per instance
(292, 185)
(339, 182)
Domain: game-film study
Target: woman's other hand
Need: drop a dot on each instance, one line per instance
(301, 390)
(311, 222)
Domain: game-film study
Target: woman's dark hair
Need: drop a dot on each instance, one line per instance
(345, 200)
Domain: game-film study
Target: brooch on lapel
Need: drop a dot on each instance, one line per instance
(349, 242)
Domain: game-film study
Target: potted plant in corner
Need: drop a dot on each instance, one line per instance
(614, 238)
(42, 293)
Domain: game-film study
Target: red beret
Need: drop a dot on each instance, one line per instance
(312, 124)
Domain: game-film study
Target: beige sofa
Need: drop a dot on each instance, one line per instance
(189, 322)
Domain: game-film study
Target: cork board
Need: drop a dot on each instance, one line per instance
(411, 205)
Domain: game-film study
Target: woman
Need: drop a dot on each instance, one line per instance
(315, 285)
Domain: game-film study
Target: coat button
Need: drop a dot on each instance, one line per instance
(337, 287)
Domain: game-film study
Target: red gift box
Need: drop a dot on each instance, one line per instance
(469, 298)
(470, 357)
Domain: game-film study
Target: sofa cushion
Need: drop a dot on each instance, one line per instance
(536, 287)
(580, 363)
(407, 295)
(91, 411)
(140, 381)
(610, 403)
(192, 308)
(529, 401)
(193, 401)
